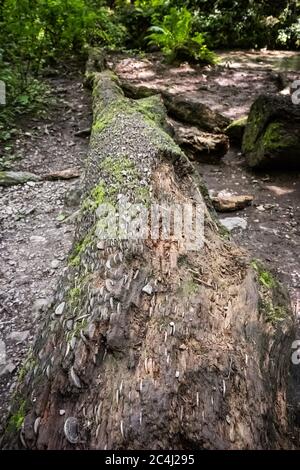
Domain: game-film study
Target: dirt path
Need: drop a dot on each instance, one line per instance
(229, 88)
(34, 238)
(273, 231)
(273, 221)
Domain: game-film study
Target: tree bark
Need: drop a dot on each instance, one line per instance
(149, 345)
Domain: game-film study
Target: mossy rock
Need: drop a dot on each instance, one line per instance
(272, 137)
(235, 130)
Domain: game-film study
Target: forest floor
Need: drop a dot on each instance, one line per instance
(35, 229)
(35, 232)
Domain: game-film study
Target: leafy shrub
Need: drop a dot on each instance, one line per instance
(138, 16)
(174, 37)
(248, 23)
(36, 32)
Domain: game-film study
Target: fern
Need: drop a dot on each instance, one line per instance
(174, 37)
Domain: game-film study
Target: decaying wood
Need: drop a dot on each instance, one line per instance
(148, 345)
(180, 107)
(198, 145)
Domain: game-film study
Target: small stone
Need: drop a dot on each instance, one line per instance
(229, 202)
(55, 264)
(60, 309)
(62, 412)
(19, 336)
(40, 305)
(8, 368)
(232, 223)
(148, 289)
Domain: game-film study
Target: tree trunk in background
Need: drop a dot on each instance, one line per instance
(149, 345)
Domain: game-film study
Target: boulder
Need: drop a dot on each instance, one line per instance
(272, 136)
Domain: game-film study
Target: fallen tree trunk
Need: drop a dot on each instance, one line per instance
(149, 345)
(188, 110)
(198, 145)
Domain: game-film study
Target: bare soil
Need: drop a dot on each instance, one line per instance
(35, 231)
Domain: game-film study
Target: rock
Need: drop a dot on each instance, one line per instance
(200, 145)
(60, 309)
(73, 197)
(8, 368)
(235, 130)
(55, 264)
(230, 202)
(148, 289)
(232, 223)
(272, 137)
(67, 174)
(41, 305)
(11, 178)
(19, 336)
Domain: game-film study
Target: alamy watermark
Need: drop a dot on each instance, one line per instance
(182, 223)
(295, 357)
(2, 93)
(296, 94)
(2, 352)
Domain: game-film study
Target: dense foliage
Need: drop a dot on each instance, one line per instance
(35, 33)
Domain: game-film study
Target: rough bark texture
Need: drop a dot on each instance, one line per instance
(199, 145)
(148, 345)
(272, 137)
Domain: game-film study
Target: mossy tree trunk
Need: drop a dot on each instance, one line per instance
(149, 345)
